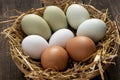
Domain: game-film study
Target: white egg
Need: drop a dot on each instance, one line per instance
(60, 37)
(93, 28)
(76, 14)
(34, 45)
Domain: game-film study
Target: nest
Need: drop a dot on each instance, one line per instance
(107, 48)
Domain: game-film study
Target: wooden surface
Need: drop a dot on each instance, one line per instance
(9, 71)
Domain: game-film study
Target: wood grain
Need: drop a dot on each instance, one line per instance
(9, 71)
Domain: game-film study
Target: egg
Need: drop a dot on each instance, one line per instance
(61, 37)
(80, 48)
(33, 24)
(55, 18)
(34, 45)
(92, 28)
(54, 57)
(76, 14)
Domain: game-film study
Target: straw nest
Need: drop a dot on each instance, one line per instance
(106, 49)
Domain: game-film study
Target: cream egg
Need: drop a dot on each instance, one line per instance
(34, 45)
(92, 28)
(55, 18)
(33, 24)
(61, 37)
(76, 14)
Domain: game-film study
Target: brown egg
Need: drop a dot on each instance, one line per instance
(54, 57)
(80, 48)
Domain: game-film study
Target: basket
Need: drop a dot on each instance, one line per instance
(106, 49)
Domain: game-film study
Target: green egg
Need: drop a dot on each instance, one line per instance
(55, 18)
(33, 24)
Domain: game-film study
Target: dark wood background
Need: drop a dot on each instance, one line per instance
(9, 71)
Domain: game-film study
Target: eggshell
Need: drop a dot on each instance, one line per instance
(92, 28)
(55, 17)
(34, 45)
(61, 37)
(80, 48)
(76, 14)
(54, 57)
(33, 24)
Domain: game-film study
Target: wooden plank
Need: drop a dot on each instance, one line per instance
(8, 70)
(114, 70)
